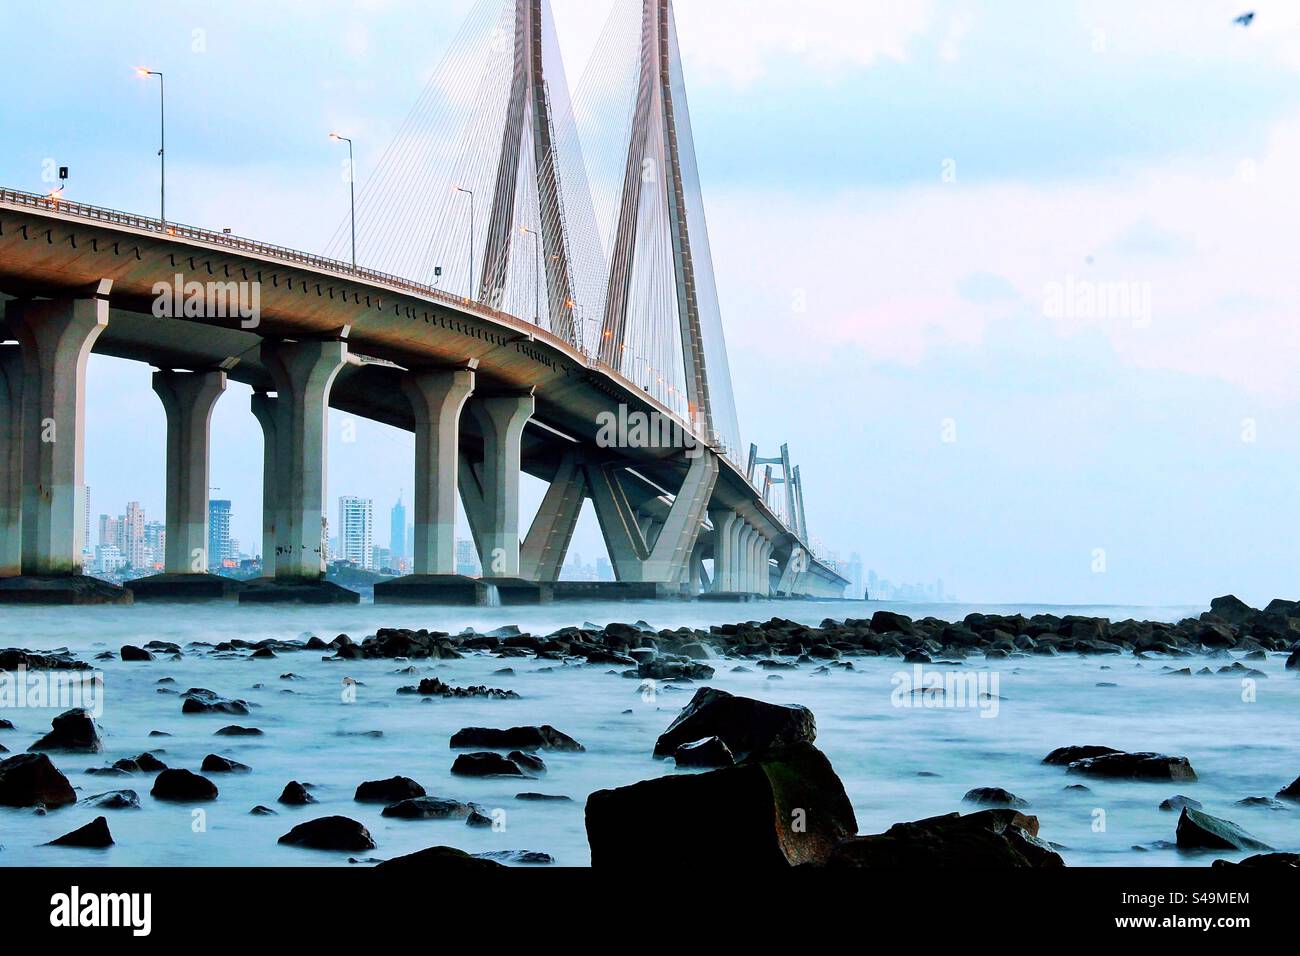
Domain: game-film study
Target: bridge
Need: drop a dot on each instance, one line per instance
(592, 360)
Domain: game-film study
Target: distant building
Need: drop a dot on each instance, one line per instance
(855, 575)
(604, 570)
(108, 559)
(155, 543)
(110, 532)
(135, 549)
(356, 531)
(397, 532)
(220, 545)
(381, 559)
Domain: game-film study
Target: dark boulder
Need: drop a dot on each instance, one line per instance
(747, 726)
(477, 819)
(1064, 756)
(1291, 791)
(429, 808)
(132, 653)
(778, 809)
(517, 857)
(433, 687)
(884, 622)
(94, 835)
(1293, 662)
(183, 786)
(148, 763)
(485, 764)
(388, 791)
(439, 859)
(994, 797)
(295, 794)
(1178, 801)
(543, 797)
(1201, 831)
(710, 753)
(1232, 609)
(529, 763)
(1280, 861)
(1136, 766)
(261, 811)
(234, 730)
(73, 731)
(544, 737)
(213, 763)
(199, 700)
(330, 833)
(114, 800)
(28, 780)
(989, 839)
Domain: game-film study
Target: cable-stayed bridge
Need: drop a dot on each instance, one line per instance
(533, 293)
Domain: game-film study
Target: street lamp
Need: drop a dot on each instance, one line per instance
(162, 140)
(352, 189)
(470, 194)
(537, 275)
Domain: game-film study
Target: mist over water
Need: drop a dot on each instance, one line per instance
(1238, 749)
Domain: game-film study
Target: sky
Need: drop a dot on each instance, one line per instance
(1016, 281)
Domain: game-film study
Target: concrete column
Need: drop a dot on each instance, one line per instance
(11, 460)
(436, 397)
(188, 399)
(303, 374)
(737, 533)
(55, 337)
(723, 550)
(266, 413)
(743, 555)
(547, 542)
(501, 419)
(765, 569)
(756, 563)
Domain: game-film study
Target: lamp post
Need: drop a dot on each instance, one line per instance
(537, 274)
(352, 191)
(162, 141)
(470, 193)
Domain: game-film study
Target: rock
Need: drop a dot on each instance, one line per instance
(748, 727)
(94, 835)
(73, 731)
(1178, 801)
(439, 859)
(778, 809)
(884, 622)
(234, 730)
(330, 833)
(1266, 860)
(1293, 662)
(1201, 831)
(1268, 803)
(432, 687)
(994, 797)
(213, 763)
(485, 764)
(429, 808)
(529, 763)
(261, 811)
(6, 724)
(199, 700)
(711, 753)
(477, 819)
(132, 653)
(1135, 766)
(1232, 609)
(28, 780)
(544, 797)
(989, 839)
(295, 794)
(388, 791)
(148, 763)
(183, 786)
(544, 737)
(1291, 791)
(1068, 755)
(517, 857)
(114, 800)
(13, 658)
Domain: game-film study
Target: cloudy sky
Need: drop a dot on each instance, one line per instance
(1017, 281)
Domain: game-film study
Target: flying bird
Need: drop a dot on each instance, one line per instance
(1246, 19)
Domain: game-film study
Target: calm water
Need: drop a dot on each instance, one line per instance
(1239, 749)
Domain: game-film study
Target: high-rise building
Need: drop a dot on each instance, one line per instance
(110, 532)
(397, 531)
(85, 519)
(356, 531)
(135, 550)
(219, 541)
(155, 543)
(855, 576)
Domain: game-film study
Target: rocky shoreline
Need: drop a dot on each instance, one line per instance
(754, 789)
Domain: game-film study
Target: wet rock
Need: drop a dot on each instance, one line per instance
(1068, 755)
(262, 654)
(438, 859)
(132, 653)
(544, 737)
(885, 622)
(235, 730)
(517, 857)
(989, 839)
(261, 811)
(6, 724)
(73, 731)
(1284, 861)
(778, 809)
(1231, 609)
(1266, 803)
(1201, 831)
(213, 763)
(388, 791)
(330, 833)
(478, 819)
(529, 763)
(1178, 801)
(1293, 662)
(200, 700)
(994, 797)
(295, 794)
(543, 797)
(114, 800)
(94, 835)
(148, 763)
(12, 658)
(1291, 791)
(429, 808)
(29, 780)
(183, 786)
(710, 753)
(1135, 766)
(485, 764)
(745, 725)
(432, 687)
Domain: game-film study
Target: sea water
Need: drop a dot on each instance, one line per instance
(897, 762)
